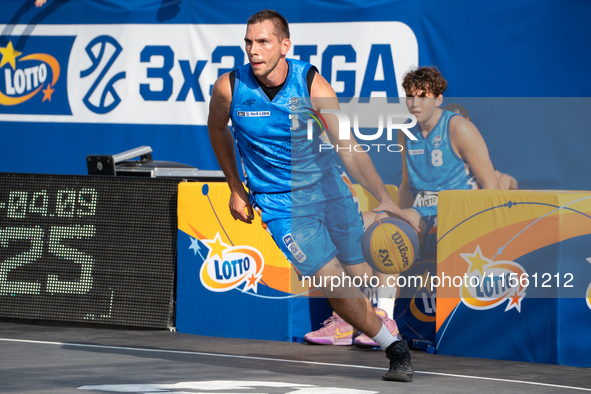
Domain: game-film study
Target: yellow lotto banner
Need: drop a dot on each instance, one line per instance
(509, 262)
(204, 215)
(225, 264)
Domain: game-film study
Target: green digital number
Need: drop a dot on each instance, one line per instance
(86, 262)
(35, 236)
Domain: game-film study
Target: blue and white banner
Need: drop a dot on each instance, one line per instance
(140, 74)
(80, 77)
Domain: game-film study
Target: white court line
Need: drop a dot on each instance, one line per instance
(286, 361)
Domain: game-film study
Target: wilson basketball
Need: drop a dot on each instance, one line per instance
(389, 245)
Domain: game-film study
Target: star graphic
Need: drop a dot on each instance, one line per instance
(9, 54)
(252, 282)
(477, 262)
(47, 93)
(515, 301)
(194, 245)
(515, 298)
(216, 246)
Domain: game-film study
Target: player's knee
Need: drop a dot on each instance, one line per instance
(414, 216)
(334, 282)
(358, 270)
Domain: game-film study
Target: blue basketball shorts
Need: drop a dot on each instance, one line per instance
(428, 242)
(314, 224)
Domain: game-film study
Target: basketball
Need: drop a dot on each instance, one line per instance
(389, 245)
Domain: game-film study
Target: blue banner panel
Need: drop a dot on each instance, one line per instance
(150, 63)
(529, 335)
(520, 275)
(230, 268)
(265, 314)
(416, 306)
(203, 312)
(63, 147)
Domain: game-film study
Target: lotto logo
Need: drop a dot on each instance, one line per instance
(32, 81)
(226, 267)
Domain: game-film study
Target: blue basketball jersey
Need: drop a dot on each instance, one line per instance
(272, 135)
(433, 165)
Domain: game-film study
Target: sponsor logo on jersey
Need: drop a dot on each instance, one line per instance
(489, 284)
(436, 141)
(254, 114)
(416, 151)
(226, 267)
(426, 199)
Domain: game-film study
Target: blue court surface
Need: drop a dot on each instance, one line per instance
(73, 359)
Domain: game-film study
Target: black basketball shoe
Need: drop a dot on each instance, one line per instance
(400, 366)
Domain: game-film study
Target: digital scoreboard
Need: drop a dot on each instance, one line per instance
(88, 249)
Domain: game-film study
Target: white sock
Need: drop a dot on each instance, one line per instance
(384, 338)
(386, 299)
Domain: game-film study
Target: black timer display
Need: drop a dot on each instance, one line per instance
(88, 249)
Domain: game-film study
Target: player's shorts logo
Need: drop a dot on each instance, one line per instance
(489, 283)
(226, 267)
(294, 249)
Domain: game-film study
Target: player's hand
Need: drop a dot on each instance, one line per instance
(240, 205)
(395, 210)
(39, 3)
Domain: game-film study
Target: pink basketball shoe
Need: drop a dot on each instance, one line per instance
(336, 331)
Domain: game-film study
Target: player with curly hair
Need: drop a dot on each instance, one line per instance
(448, 153)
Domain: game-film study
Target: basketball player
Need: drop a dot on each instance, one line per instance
(449, 153)
(295, 186)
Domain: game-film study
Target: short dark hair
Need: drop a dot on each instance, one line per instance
(425, 79)
(280, 25)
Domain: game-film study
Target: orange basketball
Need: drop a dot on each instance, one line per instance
(390, 245)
